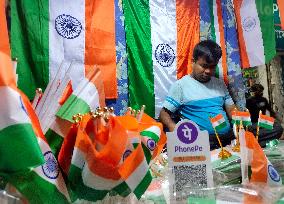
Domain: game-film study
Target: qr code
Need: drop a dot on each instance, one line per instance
(193, 176)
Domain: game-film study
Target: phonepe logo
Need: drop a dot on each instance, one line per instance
(187, 133)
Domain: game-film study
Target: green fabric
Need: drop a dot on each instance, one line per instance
(143, 185)
(266, 17)
(150, 134)
(139, 50)
(82, 191)
(54, 140)
(19, 149)
(36, 189)
(71, 107)
(30, 43)
(266, 126)
(221, 126)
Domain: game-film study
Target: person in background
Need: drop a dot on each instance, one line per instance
(255, 103)
(199, 95)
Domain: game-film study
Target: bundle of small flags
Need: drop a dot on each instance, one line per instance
(238, 116)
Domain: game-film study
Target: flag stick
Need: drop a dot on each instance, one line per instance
(224, 154)
(257, 127)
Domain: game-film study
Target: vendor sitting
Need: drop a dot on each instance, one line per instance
(255, 103)
(199, 95)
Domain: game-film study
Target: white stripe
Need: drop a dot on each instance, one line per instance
(218, 36)
(88, 92)
(163, 31)
(252, 33)
(78, 158)
(61, 127)
(57, 182)
(11, 108)
(218, 122)
(137, 175)
(154, 129)
(97, 182)
(267, 122)
(61, 48)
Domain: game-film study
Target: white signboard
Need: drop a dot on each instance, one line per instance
(189, 160)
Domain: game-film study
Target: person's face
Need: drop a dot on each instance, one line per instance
(202, 71)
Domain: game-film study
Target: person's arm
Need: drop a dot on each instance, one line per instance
(269, 108)
(229, 104)
(229, 109)
(166, 120)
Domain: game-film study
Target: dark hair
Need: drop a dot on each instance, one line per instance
(256, 88)
(209, 50)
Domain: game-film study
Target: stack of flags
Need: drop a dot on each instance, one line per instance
(238, 116)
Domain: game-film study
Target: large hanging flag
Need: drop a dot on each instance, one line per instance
(255, 22)
(253, 155)
(43, 184)
(265, 121)
(46, 33)
(281, 12)
(217, 33)
(18, 144)
(157, 59)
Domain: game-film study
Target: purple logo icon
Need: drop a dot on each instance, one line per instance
(187, 133)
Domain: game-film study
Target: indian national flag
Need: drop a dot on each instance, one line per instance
(19, 148)
(86, 97)
(238, 116)
(56, 134)
(253, 155)
(93, 173)
(43, 184)
(135, 171)
(265, 121)
(255, 23)
(217, 33)
(44, 34)
(218, 122)
(157, 59)
(152, 136)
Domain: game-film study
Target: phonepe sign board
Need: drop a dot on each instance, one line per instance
(189, 158)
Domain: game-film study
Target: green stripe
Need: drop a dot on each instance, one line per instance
(82, 191)
(266, 17)
(221, 126)
(213, 31)
(143, 185)
(122, 189)
(266, 126)
(36, 189)
(30, 43)
(19, 148)
(150, 134)
(139, 50)
(54, 140)
(72, 106)
(147, 153)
